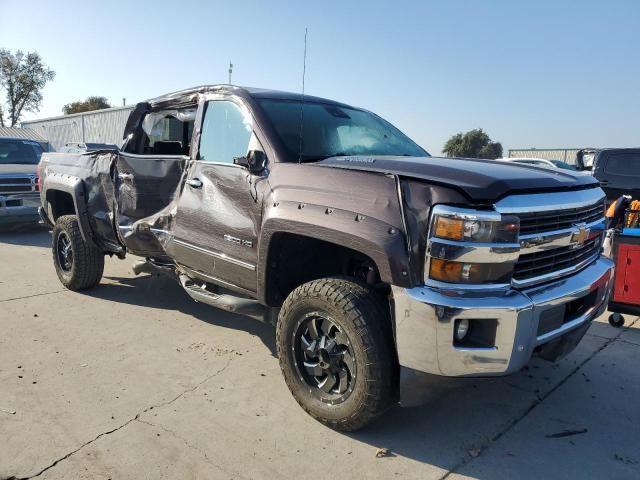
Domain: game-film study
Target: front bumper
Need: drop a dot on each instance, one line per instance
(19, 209)
(549, 320)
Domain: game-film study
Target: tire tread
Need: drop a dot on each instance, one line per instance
(88, 261)
(365, 310)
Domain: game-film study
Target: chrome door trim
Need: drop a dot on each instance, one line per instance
(216, 280)
(218, 255)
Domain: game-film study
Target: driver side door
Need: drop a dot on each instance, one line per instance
(220, 208)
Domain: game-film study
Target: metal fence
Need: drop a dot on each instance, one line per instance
(567, 155)
(100, 126)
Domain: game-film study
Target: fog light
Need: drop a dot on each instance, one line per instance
(461, 330)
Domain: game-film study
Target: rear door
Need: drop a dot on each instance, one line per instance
(619, 173)
(145, 186)
(148, 176)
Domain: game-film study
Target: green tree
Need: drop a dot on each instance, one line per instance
(22, 77)
(473, 144)
(90, 104)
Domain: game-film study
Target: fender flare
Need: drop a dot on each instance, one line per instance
(385, 244)
(74, 187)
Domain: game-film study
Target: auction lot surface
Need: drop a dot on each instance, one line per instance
(135, 380)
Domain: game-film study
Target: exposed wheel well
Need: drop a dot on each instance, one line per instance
(60, 203)
(295, 259)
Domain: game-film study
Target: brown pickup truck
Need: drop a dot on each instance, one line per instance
(376, 262)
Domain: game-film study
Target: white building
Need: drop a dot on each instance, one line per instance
(99, 126)
(567, 155)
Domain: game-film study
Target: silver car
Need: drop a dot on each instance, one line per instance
(19, 190)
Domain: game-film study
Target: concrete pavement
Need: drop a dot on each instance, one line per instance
(134, 380)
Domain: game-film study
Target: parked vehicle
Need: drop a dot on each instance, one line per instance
(78, 147)
(376, 262)
(617, 169)
(19, 195)
(541, 162)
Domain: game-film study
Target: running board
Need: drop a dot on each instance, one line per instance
(147, 266)
(231, 303)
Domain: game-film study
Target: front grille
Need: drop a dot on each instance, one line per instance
(544, 262)
(16, 185)
(540, 222)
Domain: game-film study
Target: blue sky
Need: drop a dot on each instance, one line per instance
(532, 74)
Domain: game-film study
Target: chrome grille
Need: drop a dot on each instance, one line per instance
(12, 185)
(540, 222)
(544, 262)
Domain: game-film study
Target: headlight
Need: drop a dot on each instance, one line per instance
(474, 273)
(502, 230)
(467, 246)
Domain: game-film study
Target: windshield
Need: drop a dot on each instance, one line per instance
(330, 130)
(24, 152)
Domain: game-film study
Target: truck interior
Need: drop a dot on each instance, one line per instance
(164, 132)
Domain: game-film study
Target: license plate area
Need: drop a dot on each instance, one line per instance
(555, 317)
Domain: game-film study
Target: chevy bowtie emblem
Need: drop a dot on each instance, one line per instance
(581, 236)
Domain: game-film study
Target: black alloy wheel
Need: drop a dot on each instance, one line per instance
(64, 250)
(323, 357)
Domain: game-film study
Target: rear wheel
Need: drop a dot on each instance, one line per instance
(335, 352)
(78, 265)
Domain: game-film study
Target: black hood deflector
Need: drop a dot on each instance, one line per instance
(480, 180)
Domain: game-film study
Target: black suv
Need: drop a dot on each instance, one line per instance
(617, 169)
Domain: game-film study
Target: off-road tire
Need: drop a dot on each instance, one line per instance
(88, 261)
(357, 309)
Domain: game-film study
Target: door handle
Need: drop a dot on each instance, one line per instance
(604, 182)
(125, 177)
(194, 183)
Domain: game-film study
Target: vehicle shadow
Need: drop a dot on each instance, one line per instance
(458, 417)
(164, 293)
(461, 417)
(27, 235)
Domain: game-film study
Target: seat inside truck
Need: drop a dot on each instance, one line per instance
(164, 132)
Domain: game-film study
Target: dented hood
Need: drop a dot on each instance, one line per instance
(478, 179)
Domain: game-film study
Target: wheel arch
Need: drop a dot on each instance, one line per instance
(65, 195)
(347, 234)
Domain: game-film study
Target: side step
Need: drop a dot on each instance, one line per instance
(231, 303)
(153, 268)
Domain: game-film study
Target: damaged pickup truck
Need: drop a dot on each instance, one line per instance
(376, 262)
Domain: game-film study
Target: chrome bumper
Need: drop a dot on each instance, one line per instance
(19, 208)
(425, 317)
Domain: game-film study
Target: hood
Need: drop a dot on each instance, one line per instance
(480, 180)
(17, 168)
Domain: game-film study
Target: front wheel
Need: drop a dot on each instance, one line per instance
(336, 353)
(78, 265)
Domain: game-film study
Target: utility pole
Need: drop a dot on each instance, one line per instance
(230, 71)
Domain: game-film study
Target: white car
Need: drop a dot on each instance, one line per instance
(541, 162)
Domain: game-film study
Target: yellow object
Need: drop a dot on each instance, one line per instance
(632, 218)
(451, 228)
(445, 271)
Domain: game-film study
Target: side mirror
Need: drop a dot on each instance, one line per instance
(255, 161)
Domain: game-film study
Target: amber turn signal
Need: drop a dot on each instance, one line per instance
(451, 228)
(445, 271)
